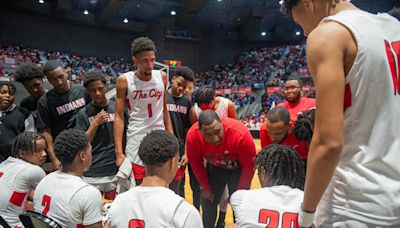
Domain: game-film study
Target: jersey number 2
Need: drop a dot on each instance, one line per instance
(271, 218)
(395, 46)
(135, 223)
(46, 203)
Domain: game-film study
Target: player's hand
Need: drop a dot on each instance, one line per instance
(101, 118)
(207, 194)
(184, 160)
(56, 164)
(119, 159)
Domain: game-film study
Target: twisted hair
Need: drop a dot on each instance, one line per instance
(186, 73)
(68, 143)
(205, 95)
(28, 71)
(26, 141)
(158, 147)
(303, 127)
(282, 166)
(142, 44)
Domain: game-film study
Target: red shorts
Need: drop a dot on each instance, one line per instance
(138, 171)
(180, 173)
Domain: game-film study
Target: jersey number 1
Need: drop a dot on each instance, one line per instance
(395, 46)
(271, 218)
(149, 110)
(46, 203)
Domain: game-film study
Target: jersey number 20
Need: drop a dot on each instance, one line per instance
(271, 218)
(395, 46)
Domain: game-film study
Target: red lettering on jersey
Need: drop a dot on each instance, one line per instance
(1, 174)
(155, 93)
(290, 220)
(392, 63)
(138, 94)
(79, 226)
(347, 97)
(269, 217)
(128, 104)
(17, 198)
(136, 223)
(46, 203)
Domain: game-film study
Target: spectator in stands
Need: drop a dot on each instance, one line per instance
(31, 77)
(58, 107)
(13, 119)
(295, 102)
(276, 130)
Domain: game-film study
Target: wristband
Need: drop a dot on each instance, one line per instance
(306, 218)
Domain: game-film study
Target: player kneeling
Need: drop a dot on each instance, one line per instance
(152, 204)
(281, 174)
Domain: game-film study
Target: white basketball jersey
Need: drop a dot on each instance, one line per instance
(366, 183)
(222, 109)
(68, 200)
(276, 206)
(17, 179)
(152, 207)
(145, 104)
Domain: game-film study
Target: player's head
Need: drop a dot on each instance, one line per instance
(182, 78)
(304, 126)
(395, 12)
(31, 76)
(159, 152)
(205, 98)
(7, 94)
(96, 84)
(293, 90)
(309, 13)
(277, 123)
(280, 165)
(189, 90)
(57, 76)
(211, 128)
(30, 147)
(73, 149)
(144, 55)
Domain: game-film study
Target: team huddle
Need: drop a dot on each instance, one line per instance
(324, 162)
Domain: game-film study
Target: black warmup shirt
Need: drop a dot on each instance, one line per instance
(30, 104)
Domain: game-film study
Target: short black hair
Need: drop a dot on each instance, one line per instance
(282, 166)
(295, 78)
(303, 127)
(10, 86)
(51, 65)
(395, 12)
(185, 72)
(288, 5)
(277, 114)
(205, 95)
(92, 76)
(207, 117)
(25, 141)
(28, 71)
(142, 44)
(158, 147)
(68, 143)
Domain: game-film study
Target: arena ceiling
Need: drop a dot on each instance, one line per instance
(244, 20)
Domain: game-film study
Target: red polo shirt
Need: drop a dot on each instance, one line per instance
(302, 105)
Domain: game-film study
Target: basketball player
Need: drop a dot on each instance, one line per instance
(97, 119)
(13, 119)
(58, 107)
(276, 130)
(20, 174)
(353, 175)
(63, 195)
(178, 106)
(281, 175)
(31, 77)
(152, 204)
(227, 146)
(295, 102)
(143, 90)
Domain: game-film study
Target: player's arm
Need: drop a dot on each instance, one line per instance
(192, 115)
(122, 88)
(101, 118)
(167, 119)
(232, 110)
(327, 68)
(246, 151)
(50, 148)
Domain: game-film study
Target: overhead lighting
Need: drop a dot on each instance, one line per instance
(86, 12)
(297, 33)
(219, 0)
(126, 20)
(263, 34)
(280, 2)
(173, 12)
(41, 1)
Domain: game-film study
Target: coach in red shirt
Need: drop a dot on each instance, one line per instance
(295, 101)
(276, 130)
(229, 151)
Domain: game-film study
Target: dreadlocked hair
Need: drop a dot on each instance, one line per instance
(303, 127)
(282, 166)
(26, 141)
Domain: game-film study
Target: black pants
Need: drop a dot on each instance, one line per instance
(195, 186)
(218, 178)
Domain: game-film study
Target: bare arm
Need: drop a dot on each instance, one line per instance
(327, 68)
(192, 116)
(232, 110)
(122, 88)
(50, 148)
(95, 225)
(167, 119)
(101, 118)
